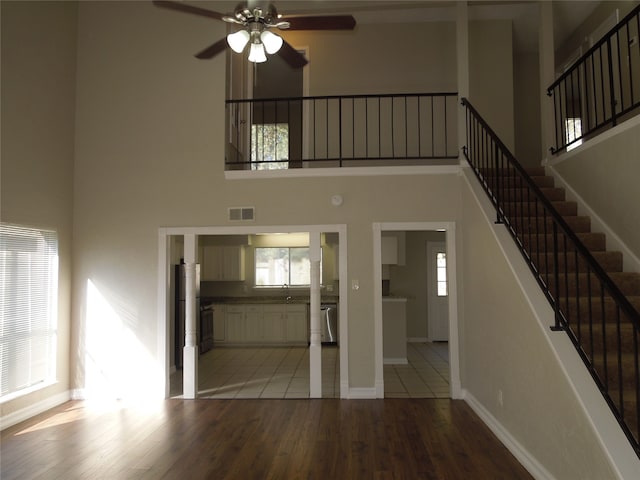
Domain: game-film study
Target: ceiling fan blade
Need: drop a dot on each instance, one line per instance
(290, 55)
(183, 7)
(212, 50)
(326, 22)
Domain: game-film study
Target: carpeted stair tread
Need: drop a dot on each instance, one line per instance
(533, 208)
(627, 282)
(595, 308)
(610, 261)
(577, 223)
(593, 241)
(521, 194)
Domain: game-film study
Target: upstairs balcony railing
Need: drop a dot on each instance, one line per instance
(601, 89)
(342, 131)
(589, 306)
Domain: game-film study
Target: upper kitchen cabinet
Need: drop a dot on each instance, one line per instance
(389, 250)
(223, 263)
(393, 248)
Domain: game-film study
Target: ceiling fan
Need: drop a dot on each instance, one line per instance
(257, 24)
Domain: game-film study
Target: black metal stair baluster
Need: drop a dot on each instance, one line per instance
(604, 100)
(636, 362)
(604, 336)
(619, 75)
(556, 282)
(578, 316)
(340, 128)
(620, 372)
(590, 305)
(630, 64)
(420, 128)
(366, 128)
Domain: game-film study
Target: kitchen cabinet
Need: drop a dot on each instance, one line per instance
(389, 250)
(394, 330)
(269, 324)
(223, 263)
(219, 323)
(234, 321)
(272, 323)
(296, 324)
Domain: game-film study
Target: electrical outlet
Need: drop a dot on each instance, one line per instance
(355, 285)
(500, 399)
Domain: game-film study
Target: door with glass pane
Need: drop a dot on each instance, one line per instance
(438, 292)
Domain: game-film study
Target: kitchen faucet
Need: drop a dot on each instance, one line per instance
(287, 297)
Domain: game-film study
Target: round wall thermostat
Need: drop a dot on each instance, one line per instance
(336, 200)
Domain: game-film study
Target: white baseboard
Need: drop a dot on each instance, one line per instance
(361, 393)
(33, 410)
(78, 394)
(395, 361)
(528, 461)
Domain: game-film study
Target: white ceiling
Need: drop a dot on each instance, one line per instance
(568, 14)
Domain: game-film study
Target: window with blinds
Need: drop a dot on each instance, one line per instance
(28, 308)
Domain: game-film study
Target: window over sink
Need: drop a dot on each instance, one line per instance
(277, 266)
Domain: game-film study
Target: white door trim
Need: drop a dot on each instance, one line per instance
(163, 303)
(454, 341)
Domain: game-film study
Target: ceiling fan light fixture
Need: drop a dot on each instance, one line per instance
(271, 41)
(237, 41)
(256, 54)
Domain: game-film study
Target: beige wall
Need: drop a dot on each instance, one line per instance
(605, 174)
(38, 87)
(149, 153)
(505, 350)
(407, 58)
(526, 82)
(580, 36)
(491, 75)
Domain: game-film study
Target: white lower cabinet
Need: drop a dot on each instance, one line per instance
(234, 318)
(219, 323)
(296, 324)
(268, 324)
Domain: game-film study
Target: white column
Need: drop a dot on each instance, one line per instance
(190, 356)
(315, 347)
(462, 47)
(547, 74)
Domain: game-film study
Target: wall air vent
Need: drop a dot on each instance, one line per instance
(241, 214)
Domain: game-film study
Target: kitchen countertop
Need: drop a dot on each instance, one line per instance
(393, 299)
(279, 299)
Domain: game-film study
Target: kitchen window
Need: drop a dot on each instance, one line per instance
(270, 146)
(28, 308)
(277, 266)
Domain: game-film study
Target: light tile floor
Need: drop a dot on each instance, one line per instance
(283, 372)
(261, 372)
(425, 376)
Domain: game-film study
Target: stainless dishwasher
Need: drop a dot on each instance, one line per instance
(329, 323)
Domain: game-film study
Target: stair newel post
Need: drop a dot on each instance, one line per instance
(556, 277)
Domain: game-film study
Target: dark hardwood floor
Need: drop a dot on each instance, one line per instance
(258, 439)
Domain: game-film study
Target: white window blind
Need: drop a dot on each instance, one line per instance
(28, 307)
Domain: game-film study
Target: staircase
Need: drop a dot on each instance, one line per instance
(601, 329)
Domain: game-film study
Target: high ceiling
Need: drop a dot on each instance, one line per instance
(568, 14)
